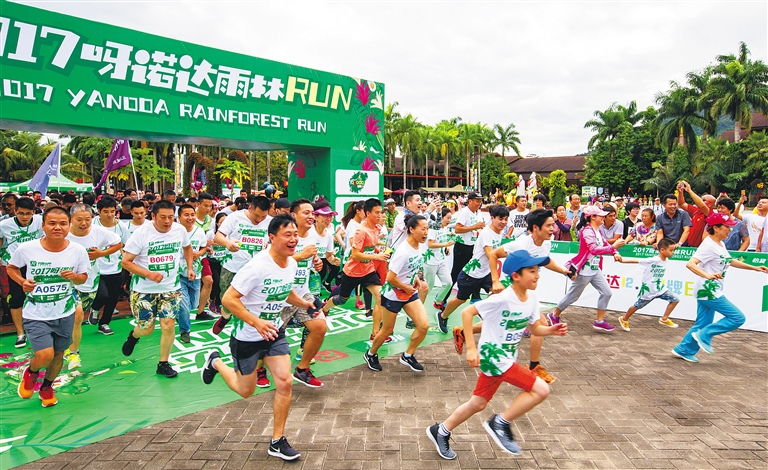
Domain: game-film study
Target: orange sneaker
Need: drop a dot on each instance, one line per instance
(27, 384)
(458, 339)
(48, 397)
(543, 374)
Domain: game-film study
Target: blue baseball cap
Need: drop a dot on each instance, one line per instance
(521, 259)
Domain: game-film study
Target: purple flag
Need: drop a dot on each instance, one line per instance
(50, 167)
(119, 156)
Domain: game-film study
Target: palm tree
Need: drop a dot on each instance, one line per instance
(708, 166)
(447, 137)
(506, 138)
(408, 141)
(608, 122)
(430, 147)
(391, 134)
(700, 82)
(473, 138)
(756, 162)
(21, 160)
(738, 88)
(678, 115)
(664, 176)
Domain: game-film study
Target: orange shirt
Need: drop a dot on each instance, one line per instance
(365, 240)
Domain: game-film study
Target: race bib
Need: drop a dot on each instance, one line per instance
(253, 240)
(50, 289)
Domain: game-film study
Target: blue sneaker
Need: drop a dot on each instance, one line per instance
(442, 323)
(687, 357)
(707, 348)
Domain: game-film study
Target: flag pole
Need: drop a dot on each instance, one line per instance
(135, 180)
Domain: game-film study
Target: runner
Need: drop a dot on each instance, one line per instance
(351, 221)
(359, 270)
(307, 258)
(243, 233)
(152, 255)
(216, 256)
(401, 292)
(190, 288)
(23, 227)
(53, 264)
(256, 297)
(710, 263)
(439, 243)
(110, 268)
(588, 263)
(541, 226)
(99, 243)
(204, 220)
(476, 274)
(468, 223)
(324, 228)
(517, 225)
(506, 315)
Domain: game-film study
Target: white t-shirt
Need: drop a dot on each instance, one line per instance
(436, 256)
(325, 243)
(130, 227)
(157, 252)
(349, 233)
(265, 287)
(754, 223)
(653, 285)
(478, 266)
(100, 238)
(13, 235)
(398, 233)
(197, 239)
(110, 264)
(220, 253)
(764, 245)
(53, 296)
(304, 266)
(505, 318)
(714, 258)
(527, 243)
(253, 238)
(518, 220)
(466, 218)
(406, 263)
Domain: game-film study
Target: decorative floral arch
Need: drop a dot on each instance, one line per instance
(196, 169)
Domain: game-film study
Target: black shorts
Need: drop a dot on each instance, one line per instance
(395, 306)
(247, 353)
(16, 292)
(348, 284)
(469, 285)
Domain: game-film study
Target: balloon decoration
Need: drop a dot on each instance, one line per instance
(269, 190)
(197, 171)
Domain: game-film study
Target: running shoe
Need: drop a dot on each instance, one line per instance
(553, 319)
(369, 315)
(106, 330)
(93, 317)
(300, 356)
(411, 362)
(221, 322)
(442, 323)
(209, 372)
(687, 357)
(306, 377)
(48, 397)
(27, 384)
(262, 381)
(458, 339)
(21, 341)
(409, 324)
(205, 316)
(388, 340)
(73, 361)
(359, 305)
(502, 436)
(603, 326)
(184, 337)
(283, 450)
(441, 442)
(373, 361)
(625, 323)
(163, 368)
(129, 344)
(707, 348)
(526, 333)
(667, 322)
(543, 374)
(439, 305)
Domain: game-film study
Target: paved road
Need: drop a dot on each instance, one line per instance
(621, 401)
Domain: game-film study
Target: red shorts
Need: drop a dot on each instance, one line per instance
(206, 267)
(381, 269)
(517, 375)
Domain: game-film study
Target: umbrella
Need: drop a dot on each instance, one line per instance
(399, 191)
(59, 183)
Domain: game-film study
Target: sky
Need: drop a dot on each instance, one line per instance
(544, 66)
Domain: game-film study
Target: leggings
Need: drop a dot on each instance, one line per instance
(110, 288)
(440, 272)
(329, 274)
(577, 287)
(462, 254)
(216, 274)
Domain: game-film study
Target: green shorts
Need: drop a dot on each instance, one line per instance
(147, 307)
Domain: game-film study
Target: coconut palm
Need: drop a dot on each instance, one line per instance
(24, 156)
(506, 138)
(430, 148)
(449, 145)
(664, 176)
(700, 82)
(473, 139)
(409, 139)
(756, 162)
(391, 134)
(739, 87)
(678, 115)
(608, 122)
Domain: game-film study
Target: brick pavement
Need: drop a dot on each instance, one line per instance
(621, 401)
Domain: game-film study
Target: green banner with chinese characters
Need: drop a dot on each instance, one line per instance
(69, 75)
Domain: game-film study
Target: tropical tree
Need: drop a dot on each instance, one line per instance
(473, 139)
(557, 188)
(607, 123)
(24, 155)
(391, 134)
(234, 170)
(700, 82)
(447, 134)
(756, 162)
(677, 117)
(506, 138)
(739, 87)
(408, 140)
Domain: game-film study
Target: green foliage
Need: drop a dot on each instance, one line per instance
(23, 155)
(557, 189)
(510, 180)
(492, 171)
(611, 164)
(756, 150)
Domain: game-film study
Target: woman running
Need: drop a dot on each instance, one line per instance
(439, 243)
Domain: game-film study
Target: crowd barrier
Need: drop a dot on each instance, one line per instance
(748, 290)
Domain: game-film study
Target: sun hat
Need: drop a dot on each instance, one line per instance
(589, 211)
(521, 259)
(717, 218)
(326, 210)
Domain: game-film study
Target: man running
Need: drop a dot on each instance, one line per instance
(152, 255)
(256, 297)
(110, 268)
(476, 274)
(204, 220)
(468, 223)
(190, 288)
(53, 264)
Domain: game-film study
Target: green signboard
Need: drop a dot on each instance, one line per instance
(69, 75)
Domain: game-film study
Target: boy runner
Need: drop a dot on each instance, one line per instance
(244, 234)
(506, 316)
(476, 274)
(190, 288)
(257, 295)
(153, 255)
(14, 231)
(53, 264)
(110, 268)
(99, 243)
